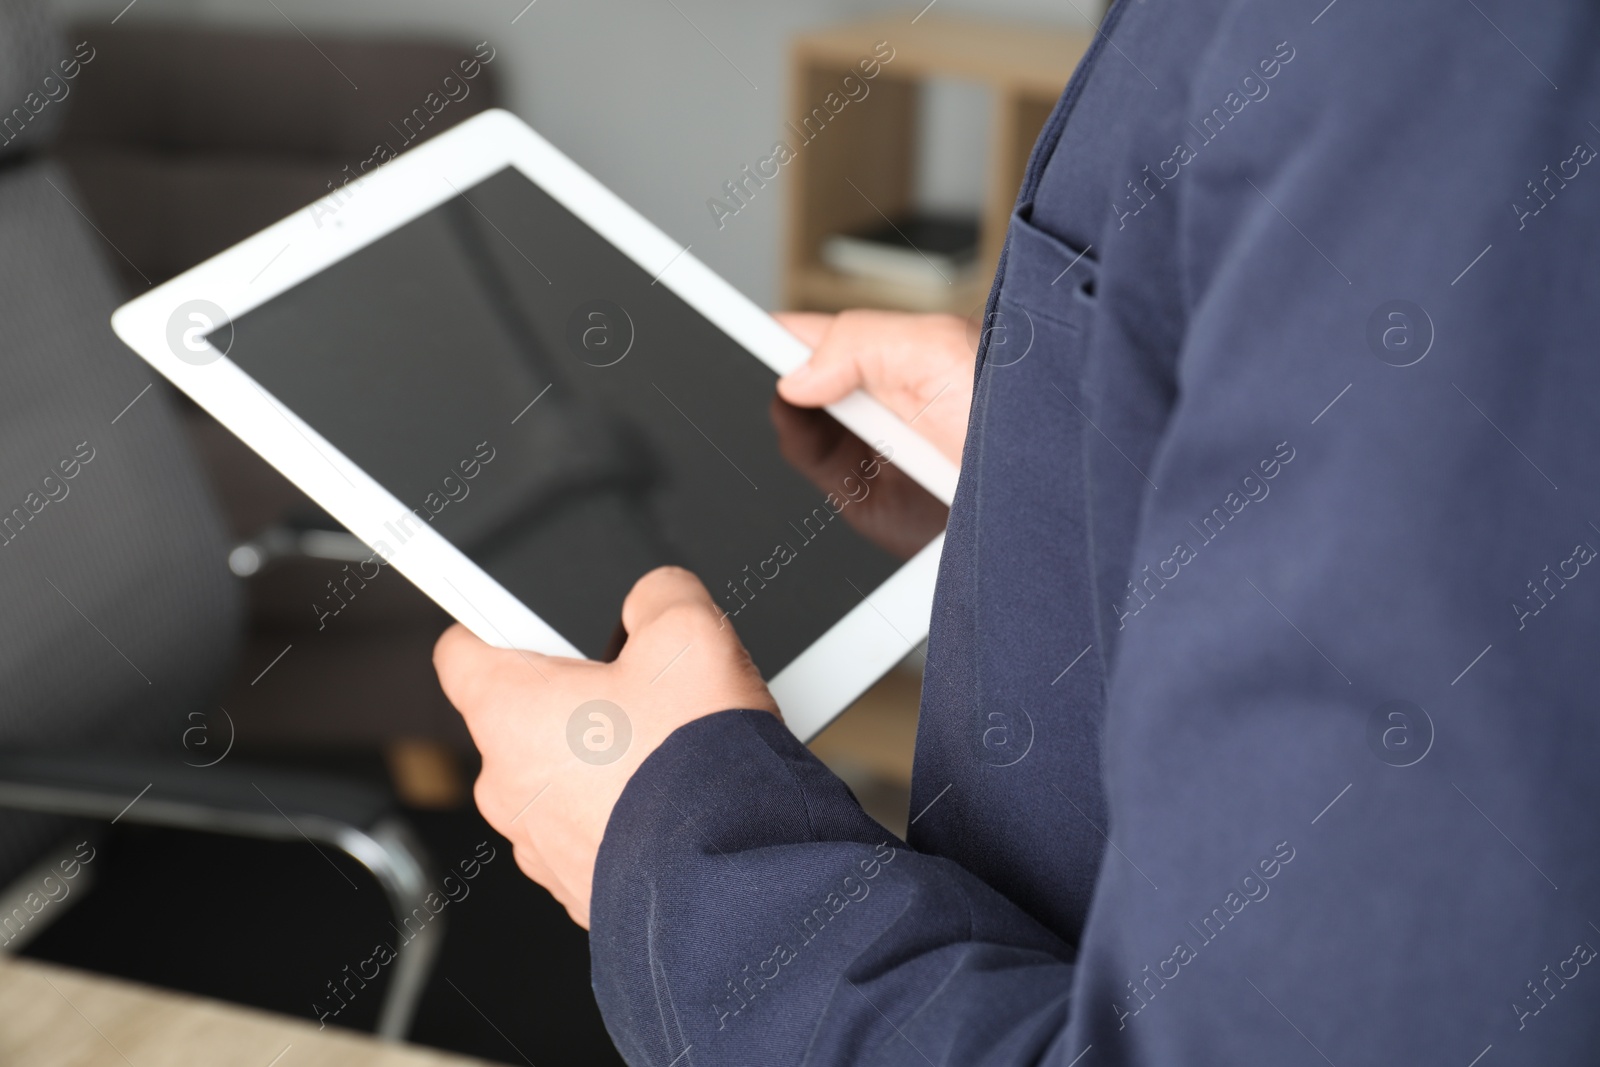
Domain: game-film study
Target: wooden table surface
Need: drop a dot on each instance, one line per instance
(57, 1017)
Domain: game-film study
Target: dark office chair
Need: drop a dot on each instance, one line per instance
(118, 615)
(183, 139)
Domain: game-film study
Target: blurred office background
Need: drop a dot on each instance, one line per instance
(200, 121)
(633, 92)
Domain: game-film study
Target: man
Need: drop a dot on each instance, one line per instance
(1270, 564)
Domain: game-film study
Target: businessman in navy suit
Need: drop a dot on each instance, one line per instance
(1259, 719)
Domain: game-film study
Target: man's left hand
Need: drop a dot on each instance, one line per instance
(560, 738)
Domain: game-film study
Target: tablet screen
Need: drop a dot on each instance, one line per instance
(537, 398)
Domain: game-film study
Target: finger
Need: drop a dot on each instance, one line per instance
(806, 436)
(815, 444)
(831, 374)
(464, 662)
(457, 640)
(660, 591)
(532, 863)
(809, 326)
(456, 655)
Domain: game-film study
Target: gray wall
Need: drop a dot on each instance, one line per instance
(633, 92)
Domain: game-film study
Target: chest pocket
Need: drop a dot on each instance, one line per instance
(1032, 587)
(1028, 400)
(1045, 277)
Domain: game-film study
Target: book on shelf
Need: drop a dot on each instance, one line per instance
(920, 249)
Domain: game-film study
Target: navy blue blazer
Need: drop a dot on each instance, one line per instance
(1259, 715)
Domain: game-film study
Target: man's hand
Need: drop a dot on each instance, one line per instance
(918, 366)
(561, 737)
(886, 506)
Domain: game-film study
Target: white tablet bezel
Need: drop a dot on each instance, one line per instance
(816, 686)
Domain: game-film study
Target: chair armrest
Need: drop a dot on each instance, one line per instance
(245, 801)
(238, 799)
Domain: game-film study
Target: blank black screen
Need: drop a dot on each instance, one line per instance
(524, 388)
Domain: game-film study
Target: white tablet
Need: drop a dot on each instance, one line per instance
(523, 395)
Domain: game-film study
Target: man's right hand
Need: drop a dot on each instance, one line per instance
(918, 366)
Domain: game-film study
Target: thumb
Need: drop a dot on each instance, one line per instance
(660, 591)
(466, 665)
(809, 326)
(830, 375)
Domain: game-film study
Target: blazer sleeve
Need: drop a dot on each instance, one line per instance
(746, 910)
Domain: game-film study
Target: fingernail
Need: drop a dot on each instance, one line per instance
(800, 373)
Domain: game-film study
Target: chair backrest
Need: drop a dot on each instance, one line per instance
(30, 44)
(186, 138)
(118, 616)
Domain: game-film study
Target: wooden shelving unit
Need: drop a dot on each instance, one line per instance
(862, 162)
